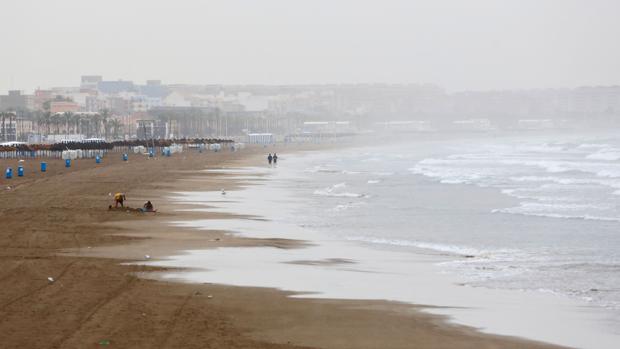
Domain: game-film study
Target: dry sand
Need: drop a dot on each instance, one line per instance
(57, 225)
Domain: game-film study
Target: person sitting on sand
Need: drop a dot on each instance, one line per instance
(119, 198)
(148, 206)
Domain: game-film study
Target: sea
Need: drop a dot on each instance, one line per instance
(530, 219)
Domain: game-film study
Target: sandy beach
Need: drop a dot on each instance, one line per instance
(57, 225)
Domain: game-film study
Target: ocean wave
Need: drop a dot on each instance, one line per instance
(491, 164)
(469, 172)
(567, 181)
(373, 181)
(451, 175)
(532, 194)
(588, 217)
(535, 179)
(340, 195)
(551, 166)
(321, 169)
(523, 194)
(330, 191)
(607, 154)
(557, 185)
(344, 207)
(593, 145)
(537, 206)
(608, 173)
(444, 248)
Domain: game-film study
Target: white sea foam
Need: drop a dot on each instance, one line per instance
(449, 249)
(608, 173)
(550, 166)
(321, 169)
(349, 205)
(348, 195)
(567, 181)
(535, 194)
(373, 181)
(516, 210)
(331, 191)
(452, 175)
(607, 154)
(538, 179)
(537, 206)
(472, 171)
(592, 145)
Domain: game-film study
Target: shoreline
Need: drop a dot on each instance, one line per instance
(487, 309)
(258, 317)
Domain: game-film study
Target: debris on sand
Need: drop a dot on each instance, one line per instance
(50, 279)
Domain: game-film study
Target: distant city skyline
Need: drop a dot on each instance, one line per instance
(76, 84)
(458, 45)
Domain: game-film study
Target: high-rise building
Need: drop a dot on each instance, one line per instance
(115, 87)
(15, 100)
(90, 82)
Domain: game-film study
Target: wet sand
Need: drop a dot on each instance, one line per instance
(57, 225)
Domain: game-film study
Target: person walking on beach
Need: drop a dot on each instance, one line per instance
(270, 158)
(275, 158)
(119, 198)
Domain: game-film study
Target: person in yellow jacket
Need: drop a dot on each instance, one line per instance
(119, 198)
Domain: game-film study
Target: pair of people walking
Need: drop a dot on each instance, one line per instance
(272, 158)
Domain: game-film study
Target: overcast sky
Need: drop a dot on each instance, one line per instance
(459, 44)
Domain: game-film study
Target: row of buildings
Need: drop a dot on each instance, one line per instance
(119, 108)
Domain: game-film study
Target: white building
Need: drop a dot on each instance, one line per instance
(408, 125)
(176, 99)
(260, 138)
(473, 125)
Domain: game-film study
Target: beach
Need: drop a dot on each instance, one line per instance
(56, 225)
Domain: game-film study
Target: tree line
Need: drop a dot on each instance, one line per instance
(99, 145)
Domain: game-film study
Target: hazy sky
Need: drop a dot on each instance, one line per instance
(459, 44)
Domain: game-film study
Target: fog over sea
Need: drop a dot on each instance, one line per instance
(509, 232)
